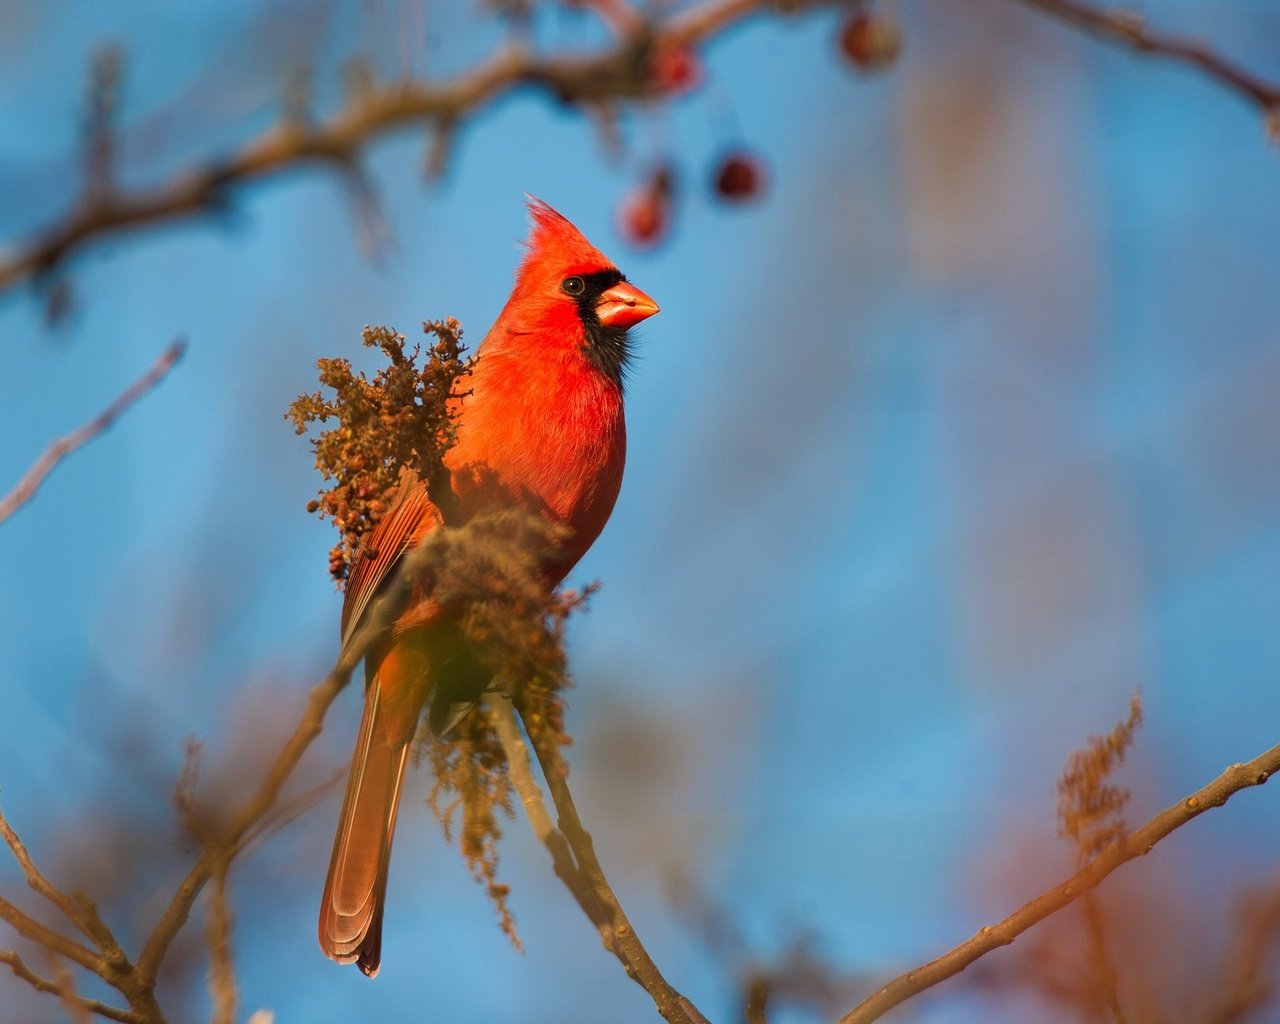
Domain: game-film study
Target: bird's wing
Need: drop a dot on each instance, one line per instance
(412, 515)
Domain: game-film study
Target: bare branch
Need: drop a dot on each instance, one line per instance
(76, 906)
(21, 970)
(35, 879)
(1129, 29)
(616, 931)
(592, 81)
(247, 822)
(30, 928)
(110, 962)
(64, 446)
(290, 810)
(618, 73)
(1136, 844)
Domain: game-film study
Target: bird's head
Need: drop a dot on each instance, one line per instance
(570, 292)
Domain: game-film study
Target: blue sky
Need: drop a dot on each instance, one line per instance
(937, 453)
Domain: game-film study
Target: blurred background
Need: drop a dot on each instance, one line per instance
(960, 432)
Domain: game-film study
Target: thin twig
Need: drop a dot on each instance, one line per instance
(244, 824)
(77, 907)
(35, 879)
(1136, 844)
(30, 928)
(64, 446)
(1129, 29)
(109, 962)
(22, 971)
(290, 810)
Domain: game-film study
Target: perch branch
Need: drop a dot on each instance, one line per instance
(535, 809)
(598, 897)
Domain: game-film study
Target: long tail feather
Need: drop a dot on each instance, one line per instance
(355, 890)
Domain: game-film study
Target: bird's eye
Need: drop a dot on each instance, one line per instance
(573, 285)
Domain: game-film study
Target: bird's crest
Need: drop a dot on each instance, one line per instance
(554, 240)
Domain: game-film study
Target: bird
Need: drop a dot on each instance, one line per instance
(541, 427)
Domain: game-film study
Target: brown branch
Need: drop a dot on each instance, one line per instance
(77, 907)
(1136, 844)
(618, 73)
(261, 814)
(64, 446)
(36, 880)
(22, 971)
(1129, 29)
(290, 810)
(616, 931)
(110, 962)
(591, 81)
(28, 927)
(247, 822)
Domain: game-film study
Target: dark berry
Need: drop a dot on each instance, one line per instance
(739, 177)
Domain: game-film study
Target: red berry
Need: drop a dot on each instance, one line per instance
(644, 215)
(673, 69)
(872, 42)
(739, 177)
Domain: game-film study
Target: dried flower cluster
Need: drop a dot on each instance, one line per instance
(489, 577)
(1090, 811)
(403, 417)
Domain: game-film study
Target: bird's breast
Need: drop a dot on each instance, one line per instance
(548, 436)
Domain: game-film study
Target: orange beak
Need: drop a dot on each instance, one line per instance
(624, 305)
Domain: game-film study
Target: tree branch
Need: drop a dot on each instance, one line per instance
(1136, 844)
(535, 809)
(1129, 29)
(247, 822)
(64, 446)
(589, 885)
(618, 73)
(21, 970)
(592, 81)
(30, 928)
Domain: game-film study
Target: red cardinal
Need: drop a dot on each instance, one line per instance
(544, 421)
